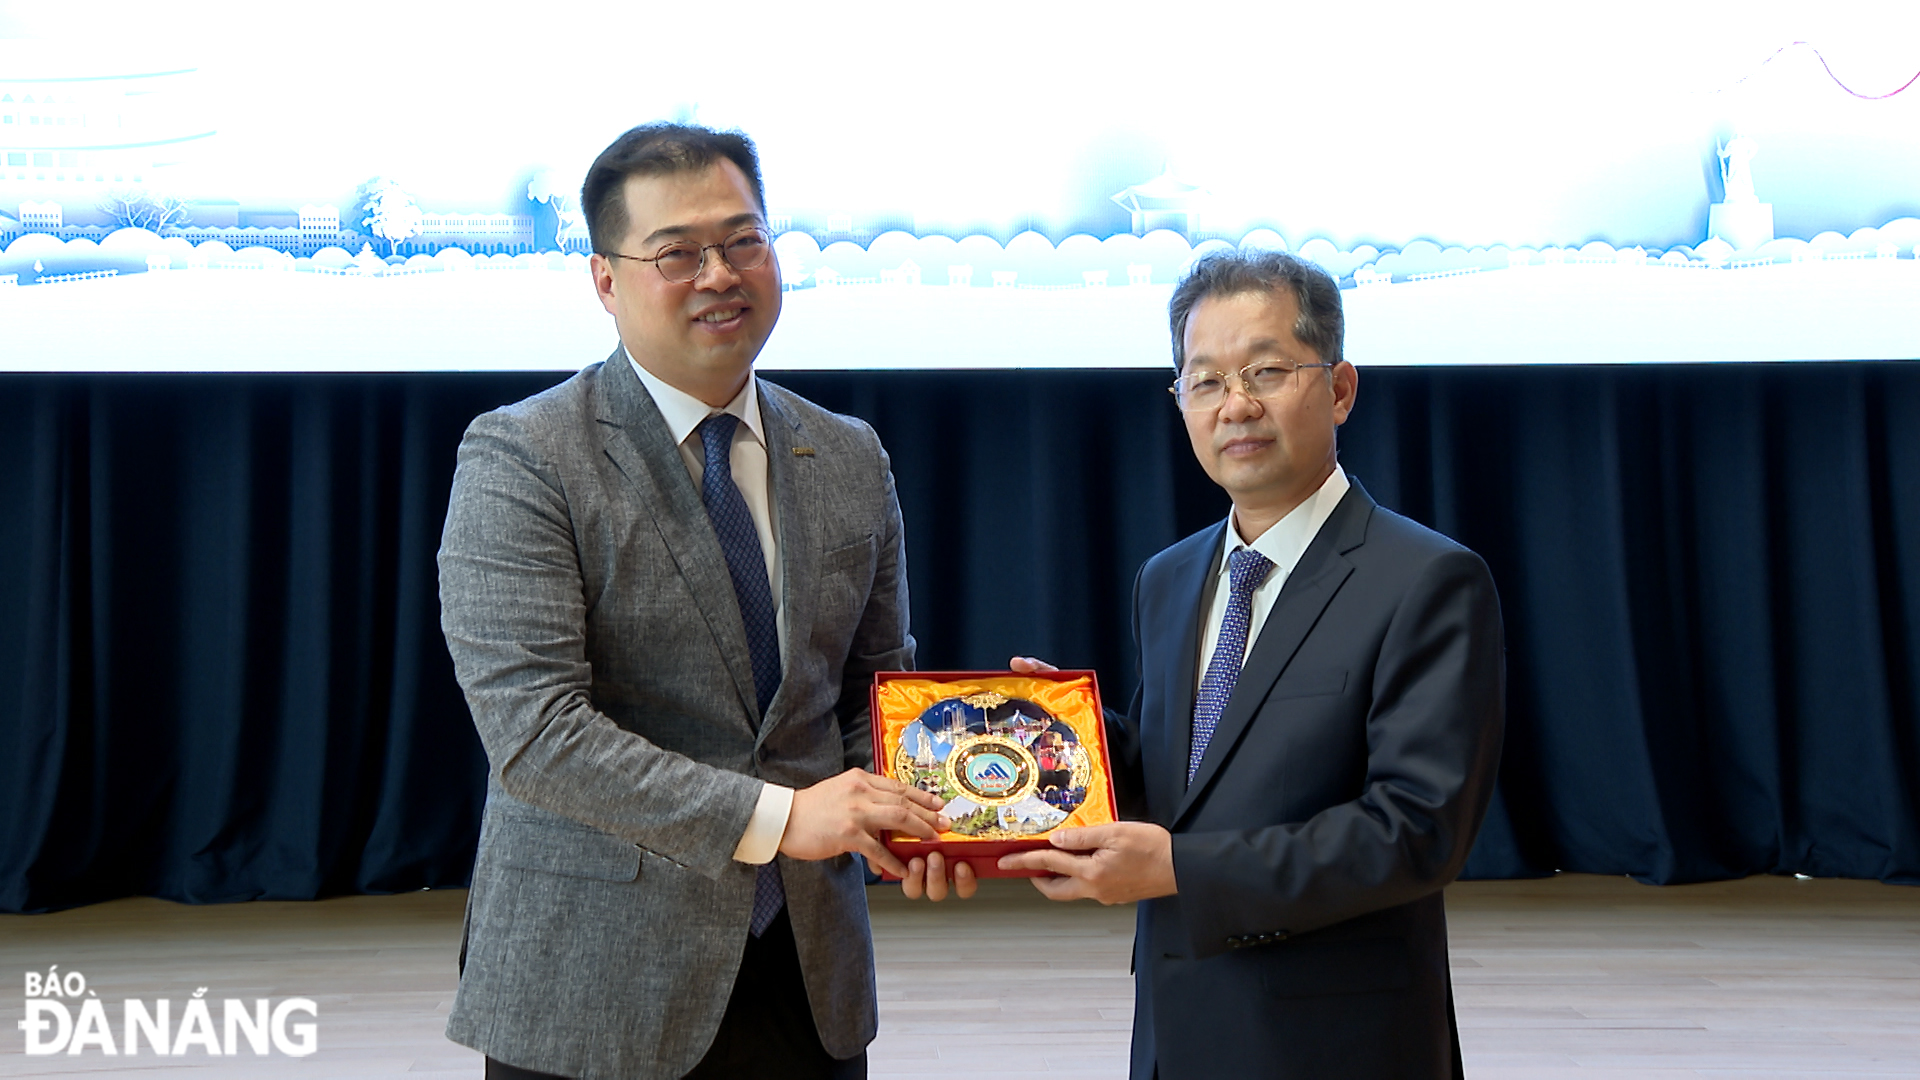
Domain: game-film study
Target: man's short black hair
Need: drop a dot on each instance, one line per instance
(657, 150)
(1322, 326)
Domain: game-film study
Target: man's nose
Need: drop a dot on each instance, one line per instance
(716, 273)
(1239, 404)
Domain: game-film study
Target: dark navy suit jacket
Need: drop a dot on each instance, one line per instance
(1338, 796)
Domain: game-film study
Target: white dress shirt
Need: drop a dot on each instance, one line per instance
(1282, 544)
(684, 414)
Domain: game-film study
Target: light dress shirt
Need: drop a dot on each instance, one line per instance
(684, 414)
(1282, 544)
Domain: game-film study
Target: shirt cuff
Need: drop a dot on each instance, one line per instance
(768, 824)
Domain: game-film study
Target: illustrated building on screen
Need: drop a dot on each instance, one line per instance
(1164, 202)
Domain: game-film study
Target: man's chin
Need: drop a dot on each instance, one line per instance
(741, 354)
(1250, 482)
(728, 363)
(1257, 468)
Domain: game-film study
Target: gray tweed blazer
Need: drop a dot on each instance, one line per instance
(594, 630)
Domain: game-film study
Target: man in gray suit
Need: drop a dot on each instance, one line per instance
(665, 586)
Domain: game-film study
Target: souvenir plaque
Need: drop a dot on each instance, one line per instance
(1015, 757)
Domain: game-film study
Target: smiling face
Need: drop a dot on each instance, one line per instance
(700, 336)
(1269, 454)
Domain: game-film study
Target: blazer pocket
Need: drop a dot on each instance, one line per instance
(1309, 684)
(569, 851)
(1324, 969)
(848, 558)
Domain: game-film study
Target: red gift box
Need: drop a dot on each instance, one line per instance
(1017, 756)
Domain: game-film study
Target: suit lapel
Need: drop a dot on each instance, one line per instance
(793, 480)
(1321, 571)
(638, 441)
(1192, 587)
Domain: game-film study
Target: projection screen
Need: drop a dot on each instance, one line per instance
(198, 186)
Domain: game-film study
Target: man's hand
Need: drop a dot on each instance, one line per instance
(1114, 864)
(848, 813)
(1027, 665)
(928, 877)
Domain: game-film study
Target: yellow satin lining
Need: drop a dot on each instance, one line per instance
(1071, 701)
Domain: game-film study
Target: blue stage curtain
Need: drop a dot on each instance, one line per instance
(222, 678)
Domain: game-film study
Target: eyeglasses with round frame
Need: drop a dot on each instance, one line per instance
(1200, 391)
(683, 260)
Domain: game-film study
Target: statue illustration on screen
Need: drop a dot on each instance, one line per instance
(1736, 169)
(1740, 219)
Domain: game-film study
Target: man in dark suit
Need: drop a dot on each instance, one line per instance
(665, 586)
(1314, 738)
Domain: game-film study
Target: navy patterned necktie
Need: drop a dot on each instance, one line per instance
(747, 565)
(1247, 568)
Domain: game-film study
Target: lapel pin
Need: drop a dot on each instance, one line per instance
(803, 451)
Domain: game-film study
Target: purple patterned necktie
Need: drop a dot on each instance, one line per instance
(747, 565)
(1247, 568)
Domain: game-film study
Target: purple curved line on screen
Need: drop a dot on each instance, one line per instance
(1830, 73)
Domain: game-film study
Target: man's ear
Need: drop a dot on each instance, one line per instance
(1346, 388)
(601, 268)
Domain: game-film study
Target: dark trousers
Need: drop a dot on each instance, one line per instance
(767, 1032)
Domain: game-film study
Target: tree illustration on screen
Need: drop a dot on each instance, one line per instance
(134, 208)
(391, 213)
(548, 187)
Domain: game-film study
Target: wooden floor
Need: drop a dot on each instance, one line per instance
(1575, 977)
